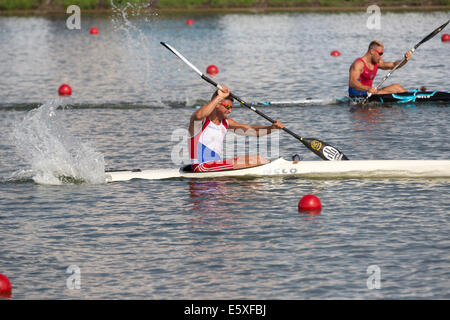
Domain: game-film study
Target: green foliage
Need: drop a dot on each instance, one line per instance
(19, 4)
(122, 3)
(83, 4)
(289, 3)
(197, 4)
(61, 4)
(235, 3)
(184, 4)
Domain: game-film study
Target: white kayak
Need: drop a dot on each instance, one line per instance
(309, 169)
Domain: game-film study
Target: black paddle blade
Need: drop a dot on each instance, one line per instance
(323, 149)
(431, 35)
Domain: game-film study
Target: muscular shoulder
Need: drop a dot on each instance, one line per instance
(198, 116)
(357, 65)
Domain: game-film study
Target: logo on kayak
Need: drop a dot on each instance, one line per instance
(316, 145)
(331, 153)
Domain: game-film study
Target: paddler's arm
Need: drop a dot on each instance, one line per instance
(256, 131)
(391, 65)
(207, 109)
(355, 72)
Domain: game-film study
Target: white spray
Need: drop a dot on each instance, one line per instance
(55, 156)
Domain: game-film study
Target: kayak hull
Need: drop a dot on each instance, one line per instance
(307, 169)
(413, 96)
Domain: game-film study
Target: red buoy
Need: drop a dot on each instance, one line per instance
(335, 53)
(212, 70)
(5, 286)
(445, 37)
(189, 22)
(65, 90)
(310, 204)
(94, 30)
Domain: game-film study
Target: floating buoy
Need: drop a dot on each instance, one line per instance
(189, 22)
(309, 204)
(94, 30)
(445, 37)
(212, 70)
(5, 286)
(335, 53)
(65, 90)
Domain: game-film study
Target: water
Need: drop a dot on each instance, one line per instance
(221, 238)
(53, 154)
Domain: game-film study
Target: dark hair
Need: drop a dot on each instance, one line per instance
(216, 93)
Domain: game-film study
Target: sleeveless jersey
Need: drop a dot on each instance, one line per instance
(367, 76)
(207, 144)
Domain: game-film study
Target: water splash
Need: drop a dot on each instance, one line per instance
(121, 13)
(133, 29)
(134, 22)
(55, 156)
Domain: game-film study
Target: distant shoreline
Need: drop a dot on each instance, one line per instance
(236, 10)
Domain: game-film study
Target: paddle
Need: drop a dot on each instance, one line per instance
(401, 64)
(320, 148)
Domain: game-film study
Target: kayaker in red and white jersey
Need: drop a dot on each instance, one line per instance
(207, 129)
(364, 69)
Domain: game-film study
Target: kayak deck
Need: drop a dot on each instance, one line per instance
(308, 169)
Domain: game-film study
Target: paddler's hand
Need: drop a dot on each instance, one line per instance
(408, 55)
(372, 90)
(224, 92)
(277, 125)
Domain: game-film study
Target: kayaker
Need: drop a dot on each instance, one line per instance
(207, 129)
(363, 70)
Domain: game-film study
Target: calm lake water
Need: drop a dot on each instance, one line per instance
(218, 238)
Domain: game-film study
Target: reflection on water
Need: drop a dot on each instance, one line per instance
(209, 203)
(366, 117)
(217, 202)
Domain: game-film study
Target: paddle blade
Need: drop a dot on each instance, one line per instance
(431, 35)
(323, 149)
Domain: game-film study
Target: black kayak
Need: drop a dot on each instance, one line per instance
(412, 96)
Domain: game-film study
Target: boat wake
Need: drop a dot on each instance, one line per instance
(305, 102)
(21, 176)
(53, 154)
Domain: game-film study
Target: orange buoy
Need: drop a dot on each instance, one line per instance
(5, 286)
(310, 204)
(335, 53)
(189, 22)
(94, 30)
(65, 90)
(212, 70)
(445, 37)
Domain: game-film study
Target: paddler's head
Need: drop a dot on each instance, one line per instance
(376, 50)
(224, 107)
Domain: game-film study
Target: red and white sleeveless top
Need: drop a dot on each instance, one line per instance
(207, 144)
